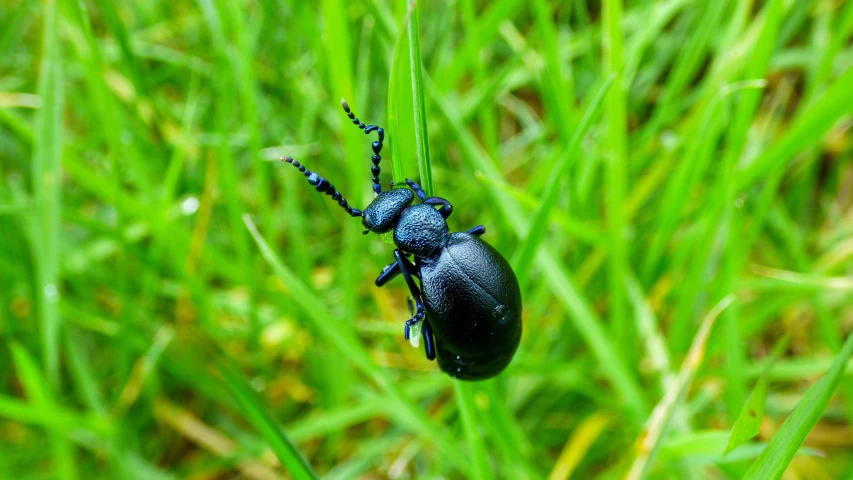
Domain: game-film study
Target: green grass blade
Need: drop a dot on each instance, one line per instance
(52, 417)
(242, 57)
(784, 445)
(704, 23)
(38, 391)
(651, 438)
(616, 175)
(705, 448)
(470, 425)
(83, 376)
(47, 191)
(31, 379)
(321, 424)
(536, 233)
(806, 131)
(112, 18)
(738, 128)
(225, 159)
(336, 46)
(722, 194)
(394, 116)
(14, 209)
(557, 93)
(748, 423)
(256, 414)
(421, 134)
(648, 330)
(511, 442)
(400, 107)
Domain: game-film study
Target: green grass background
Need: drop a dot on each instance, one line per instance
(671, 180)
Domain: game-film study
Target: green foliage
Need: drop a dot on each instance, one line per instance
(748, 423)
(255, 413)
(670, 178)
(778, 454)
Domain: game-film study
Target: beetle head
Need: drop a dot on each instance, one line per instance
(421, 230)
(384, 211)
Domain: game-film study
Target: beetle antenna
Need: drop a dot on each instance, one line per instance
(377, 146)
(323, 185)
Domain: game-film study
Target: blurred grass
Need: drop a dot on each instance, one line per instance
(640, 162)
(256, 414)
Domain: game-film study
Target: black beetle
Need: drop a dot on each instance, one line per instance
(469, 300)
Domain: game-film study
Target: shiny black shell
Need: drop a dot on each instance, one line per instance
(473, 304)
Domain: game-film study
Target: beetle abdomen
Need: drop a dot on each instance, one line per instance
(473, 304)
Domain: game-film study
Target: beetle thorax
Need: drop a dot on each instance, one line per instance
(421, 230)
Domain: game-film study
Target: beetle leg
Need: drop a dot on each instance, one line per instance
(446, 208)
(429, 341)
(407, 268)
(478, 230)
(426, 332)
(419, 315)
(391, 271)
(417, 188)
(420, 311)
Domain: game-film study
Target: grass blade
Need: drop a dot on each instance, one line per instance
(773, 461)
(808, 129)
(421, 135)
(578, 445)
(14, 209)
(648, 330)
(393, 116)
(255, 412)
(748, 423)
(46, 235)
(52, 417)
(47, 188)
(38, 391)
(28, 374)
(705, 448)
(616, 175)
(536, 233)
(398, 111)
(468, 413)
(650, 439)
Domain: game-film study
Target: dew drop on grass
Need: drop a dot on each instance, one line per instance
(51, 293)
(190, 205)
